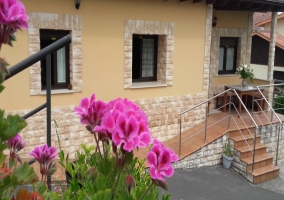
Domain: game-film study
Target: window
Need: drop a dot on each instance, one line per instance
(60, 74)
(227, 55)
(144, 57)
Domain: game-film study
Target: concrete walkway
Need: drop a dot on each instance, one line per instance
(217, 183)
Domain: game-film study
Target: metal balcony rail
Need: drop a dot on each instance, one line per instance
(268, 101)
(229, 119)
(46, 52)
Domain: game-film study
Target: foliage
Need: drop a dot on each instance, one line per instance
(13, 172)
(244, 72)
(109, 169)
(278, 104)
(228, 149)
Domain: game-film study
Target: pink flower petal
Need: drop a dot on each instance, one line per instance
(152, 172)
(116, 139)
(152, 158)
(168, 172)
(131, 128)
(129, 145)
(145, 139)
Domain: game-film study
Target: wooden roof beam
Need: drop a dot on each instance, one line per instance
(221, 3)
(210, 1)
(256, 6)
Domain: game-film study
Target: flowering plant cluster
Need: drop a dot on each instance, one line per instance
(244, 72)
(109, 170)
(12, 18)
(14, 172)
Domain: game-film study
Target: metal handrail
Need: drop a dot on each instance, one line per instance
(204, 102)
(273, 112)
(267, 101)
(46, 52)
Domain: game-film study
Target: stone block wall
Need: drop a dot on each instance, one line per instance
(269, 136)
(163, 115)
(206, 156)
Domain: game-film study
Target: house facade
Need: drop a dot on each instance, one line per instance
(182, 65)
(260, 47)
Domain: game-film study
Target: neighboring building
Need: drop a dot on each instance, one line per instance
(164, 55)
(260, 46)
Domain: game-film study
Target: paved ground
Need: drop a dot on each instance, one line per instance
(217, 183)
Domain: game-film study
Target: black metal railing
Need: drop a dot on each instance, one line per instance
(44, 53)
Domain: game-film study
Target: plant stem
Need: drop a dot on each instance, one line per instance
(117, 181)
(104, 149)
(147, 191)
(98, 147)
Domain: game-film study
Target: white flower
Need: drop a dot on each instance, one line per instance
(245, 66)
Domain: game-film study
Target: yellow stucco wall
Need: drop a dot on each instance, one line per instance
(231, 19)
(234, 20)
(103, 50)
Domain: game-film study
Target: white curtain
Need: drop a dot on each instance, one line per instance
(61, 66)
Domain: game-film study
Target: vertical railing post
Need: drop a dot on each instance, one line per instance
(230, 101)
(48, 108)
(205, 132)
(253, 156)
(252, 105)
(179, 136)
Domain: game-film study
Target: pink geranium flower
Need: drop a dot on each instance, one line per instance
(126, 124)
(91, 111)
(44, 155)
(15, 144)
(159, 160)
(13, 14)
(12, 17)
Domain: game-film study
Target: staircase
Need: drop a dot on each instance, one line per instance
(243, 144)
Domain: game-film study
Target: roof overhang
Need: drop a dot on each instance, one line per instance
(266, 36)
(246, 5)
(262, 23)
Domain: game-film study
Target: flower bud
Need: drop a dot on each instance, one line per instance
(130, 182)
(91, 174)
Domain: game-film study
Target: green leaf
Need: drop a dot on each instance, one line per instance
(128, 157)
(5, 184)
(1, 88)
(11, 126)
(102, 195)
(2, 158)
(23, 174)
(40, 187)
(3, 146)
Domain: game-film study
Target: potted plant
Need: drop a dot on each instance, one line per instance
(245, 73)
(227, 156)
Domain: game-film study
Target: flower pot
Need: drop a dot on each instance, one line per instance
(244, 82)
(227, 161)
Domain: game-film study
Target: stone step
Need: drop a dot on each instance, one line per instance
(259, 161)
(242, 140)
(265, 173)
(246, 151)
(243, 131)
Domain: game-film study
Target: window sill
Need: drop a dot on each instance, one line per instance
(60, 91)
(227, 75)
(138, 85)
